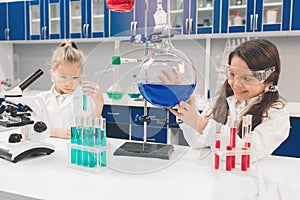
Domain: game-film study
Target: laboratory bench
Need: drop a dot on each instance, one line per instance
(184, 176)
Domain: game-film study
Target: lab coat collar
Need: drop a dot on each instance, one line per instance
(67, 97)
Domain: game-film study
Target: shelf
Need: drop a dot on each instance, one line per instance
(35, 20)
(238, 7)
(205, 9)
(176, 11)
(55, 19)
(98, 16)
(273, 4)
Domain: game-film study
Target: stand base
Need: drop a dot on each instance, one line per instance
(148, 150)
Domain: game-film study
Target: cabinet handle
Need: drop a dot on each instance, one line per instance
(151, 139)
(42, 32)
(134, 28)
(83, 29)
(191, 25)
(186, 25)
(251, 22)
(131, 27)
(87, 30)
(6, 33)
(45, 32)
(256, 19)
(111, 113)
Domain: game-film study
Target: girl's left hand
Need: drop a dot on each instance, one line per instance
(93, 90)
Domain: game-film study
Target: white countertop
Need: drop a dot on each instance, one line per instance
(183, 177)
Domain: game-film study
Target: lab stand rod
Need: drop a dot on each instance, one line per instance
(207, 69)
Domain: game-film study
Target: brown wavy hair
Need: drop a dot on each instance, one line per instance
(259, 54)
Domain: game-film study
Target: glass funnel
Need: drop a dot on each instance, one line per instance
(167, 76)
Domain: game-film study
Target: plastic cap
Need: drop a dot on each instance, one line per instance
(237, 14)
(116, 60)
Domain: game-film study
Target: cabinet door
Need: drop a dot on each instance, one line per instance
(55, 19)
(3, 21)
(175, 15)
(128, 23)
(296, 15)
(208, 16)
(97, 18)
(117, 118)
(276, 15)
(75, 18)
(34, 20)
(291, 146)
(189, 17)
(15, 22)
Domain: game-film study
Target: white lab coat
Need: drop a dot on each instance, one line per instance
(64, 114)
(266, 137)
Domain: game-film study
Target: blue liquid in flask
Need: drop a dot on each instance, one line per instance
(166, 95)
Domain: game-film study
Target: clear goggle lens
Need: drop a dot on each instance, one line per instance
(253, 78)
(62, 78)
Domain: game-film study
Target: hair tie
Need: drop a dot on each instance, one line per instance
(272, 88)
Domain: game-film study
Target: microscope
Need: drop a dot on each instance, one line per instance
(30, 114)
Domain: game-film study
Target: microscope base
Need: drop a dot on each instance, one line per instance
(17, 151)
(148, 150)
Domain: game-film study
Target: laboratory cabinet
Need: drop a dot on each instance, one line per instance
(12, 25)
(45, 19)
(128, 23)
(255, 16)
(124, 122)
(291, 146)
(86, 19)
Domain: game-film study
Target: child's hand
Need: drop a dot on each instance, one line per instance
(93, 90)
(170, 78)
(63, 132)
(188, 113)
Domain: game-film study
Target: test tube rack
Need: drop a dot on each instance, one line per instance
(93, 161)
(240, 160)
(87, 150)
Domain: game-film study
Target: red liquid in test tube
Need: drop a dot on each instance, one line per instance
(232, 143)
(217, 146)
(228, 159)
(244, 162)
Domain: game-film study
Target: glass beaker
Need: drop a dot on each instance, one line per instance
(120, 5)
(133, 90)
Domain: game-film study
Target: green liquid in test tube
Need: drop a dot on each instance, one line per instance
(92, 156)
(84, 102)
(86, 132)
(103, 142)
(73, 141)
(79, 139)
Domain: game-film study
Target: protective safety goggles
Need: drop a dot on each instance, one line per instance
(253, 78)
(64, 79)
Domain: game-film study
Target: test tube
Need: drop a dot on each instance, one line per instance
(86, 132)
(217, 145)
(103, 141)
(91, 138)
(248, 138)
(79, 139)
(84, 102)
(73, 141)
(232, 144)
(244, 133)
(98, 139)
